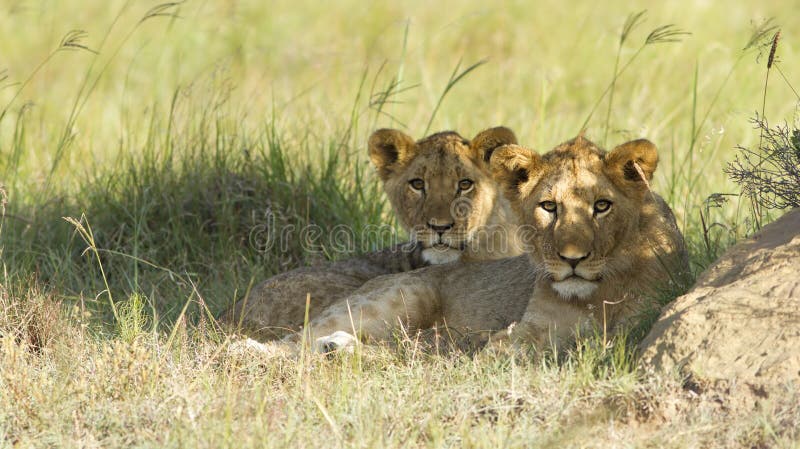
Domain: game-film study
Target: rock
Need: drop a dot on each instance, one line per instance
(738, 329)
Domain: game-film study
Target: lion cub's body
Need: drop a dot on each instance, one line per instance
(277, 306)
(596, 238)
(442, 192)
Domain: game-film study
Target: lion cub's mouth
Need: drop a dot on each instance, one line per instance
(440, 253)
(575, 286)
(444, 245)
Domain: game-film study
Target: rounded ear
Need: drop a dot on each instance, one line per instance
(390, 149)
(512, 166)
(632, 163)
(484, 144)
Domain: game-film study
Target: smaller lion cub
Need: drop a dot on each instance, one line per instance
(442, 192)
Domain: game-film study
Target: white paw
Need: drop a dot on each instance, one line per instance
(337, 341)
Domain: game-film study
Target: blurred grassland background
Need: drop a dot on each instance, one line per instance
(301, 64)
(175, 129)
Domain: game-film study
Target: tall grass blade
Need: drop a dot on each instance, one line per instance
(659, 35)
(455, 77)
(631, 22)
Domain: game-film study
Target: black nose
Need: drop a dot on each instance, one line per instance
(572, 261)
(440, 228)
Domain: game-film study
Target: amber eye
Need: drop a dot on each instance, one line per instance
(465, 184)
(417, 184)
(549, 206)
(601, 206)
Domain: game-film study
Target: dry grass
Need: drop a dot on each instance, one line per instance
(84, 390)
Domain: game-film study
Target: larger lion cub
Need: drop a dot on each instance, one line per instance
(603, 239)
(443, 193)
(598, 242)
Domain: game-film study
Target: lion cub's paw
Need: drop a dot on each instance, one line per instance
(337, 341)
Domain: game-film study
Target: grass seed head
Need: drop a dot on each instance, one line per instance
(772, 49)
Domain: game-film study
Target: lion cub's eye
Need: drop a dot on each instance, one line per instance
(549, 206)
(465, 185)
(601, 206)
(417, 184)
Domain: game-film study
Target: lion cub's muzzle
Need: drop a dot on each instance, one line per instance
(576, 276)
(442, 236)
(441, 243)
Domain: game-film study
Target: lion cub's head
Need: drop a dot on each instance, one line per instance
(440, 187)
(593, 221)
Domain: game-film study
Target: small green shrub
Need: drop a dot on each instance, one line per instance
(770, 173)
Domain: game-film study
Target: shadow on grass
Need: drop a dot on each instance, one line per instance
(219, 206)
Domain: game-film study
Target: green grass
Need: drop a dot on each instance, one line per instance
(172, 140)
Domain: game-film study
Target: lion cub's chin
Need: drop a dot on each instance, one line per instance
(439, 255)
(574, 287)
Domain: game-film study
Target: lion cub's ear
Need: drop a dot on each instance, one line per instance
(390, 149)
(622, 162)
(491, 139)
(513, 166)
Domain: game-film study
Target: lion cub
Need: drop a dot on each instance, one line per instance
(442, 192)
(598, 242)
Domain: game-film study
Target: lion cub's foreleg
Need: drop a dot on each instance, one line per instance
(549, 322)
(375, 310)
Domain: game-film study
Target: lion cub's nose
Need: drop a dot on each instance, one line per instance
(573, 260)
